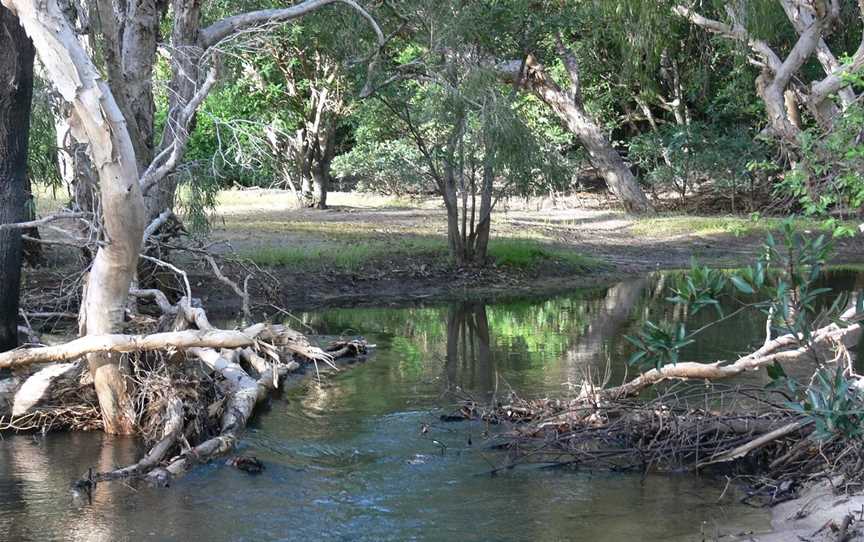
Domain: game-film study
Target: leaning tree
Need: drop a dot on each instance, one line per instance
(115, 126)
(542, 39)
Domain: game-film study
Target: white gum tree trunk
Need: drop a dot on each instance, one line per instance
(97, 120)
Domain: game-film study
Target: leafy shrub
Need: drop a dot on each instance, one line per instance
(384, 167)
(831, 172)
(679, 158)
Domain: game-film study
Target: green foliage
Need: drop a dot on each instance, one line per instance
(658, 345)
(832, 404)
(42, 166)
(681, 157)
(634, 55)
(390, 167)
(700, 288)
(526, 254)
(783, 283)
(831, 172)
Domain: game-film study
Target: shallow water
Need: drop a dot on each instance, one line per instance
(347, 460)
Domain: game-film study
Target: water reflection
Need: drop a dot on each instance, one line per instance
(469, 355)
(550, 346)
(347, 460)
(35, 486)
(530, 346)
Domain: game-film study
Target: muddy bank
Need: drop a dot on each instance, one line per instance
(262, 223)
(397, 283)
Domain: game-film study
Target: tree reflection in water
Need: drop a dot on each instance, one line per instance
(469, 354)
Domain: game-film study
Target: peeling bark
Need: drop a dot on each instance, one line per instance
(98, 121)
(130, 30)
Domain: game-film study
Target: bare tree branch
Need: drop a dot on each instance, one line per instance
(734, 31)
(224, 28)
(41, 221)
(168, 158)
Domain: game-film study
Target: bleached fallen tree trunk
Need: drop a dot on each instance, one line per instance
(97, 120)
(118, 344)
(787, 348)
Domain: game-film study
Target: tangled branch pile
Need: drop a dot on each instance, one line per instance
(192, 382)
(717, 429)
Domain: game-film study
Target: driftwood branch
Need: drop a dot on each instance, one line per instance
(773, 351)
(165, 162)
(42, 221)
(229, 26)
(133, 343)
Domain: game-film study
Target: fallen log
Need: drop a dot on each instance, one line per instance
(119, 343)
(824, 339)
(246, 392)
(38, 387)
(172, 430)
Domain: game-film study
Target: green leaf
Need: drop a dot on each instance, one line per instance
(741, 285)
(775, 371)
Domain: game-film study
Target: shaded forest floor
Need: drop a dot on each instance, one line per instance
(367, 250)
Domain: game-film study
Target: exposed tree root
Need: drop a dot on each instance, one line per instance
(194, 383)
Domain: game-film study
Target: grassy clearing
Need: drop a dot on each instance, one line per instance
(234, 201)
(346, 256)
(716, 225)
(527, 254)
(320, 229)
(352, 256)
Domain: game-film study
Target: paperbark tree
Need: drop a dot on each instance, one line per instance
(16, 91)
(313, 97)
(569, 107)
(192, 49)
(98, 120)
(825, 98)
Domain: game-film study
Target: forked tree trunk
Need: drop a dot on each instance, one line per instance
(186, 70)
(16, 91)
(130, 31)
(98, 121)
(483, 228)
(811, 23)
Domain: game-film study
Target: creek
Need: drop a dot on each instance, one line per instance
(363, 455)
